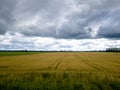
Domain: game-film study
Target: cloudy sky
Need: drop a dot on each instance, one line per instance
(59, 24)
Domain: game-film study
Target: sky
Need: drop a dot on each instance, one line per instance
(72, 25)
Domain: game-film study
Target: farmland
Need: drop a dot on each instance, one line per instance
(60, 71)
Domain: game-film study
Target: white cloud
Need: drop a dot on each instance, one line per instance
(18, 41)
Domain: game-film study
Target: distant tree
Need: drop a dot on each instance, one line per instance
(25, 50)
(113, 50)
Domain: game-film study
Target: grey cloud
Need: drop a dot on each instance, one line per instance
(2, 28)
(68, 19)
(6, 9)
(71, 28)
(47, 9)
(101, 4)
(65, 46)
(111, 29)
(36, 31)
(114, 32)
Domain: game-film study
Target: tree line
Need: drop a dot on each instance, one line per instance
(113, 50)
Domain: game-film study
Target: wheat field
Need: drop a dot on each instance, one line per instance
(60, 71)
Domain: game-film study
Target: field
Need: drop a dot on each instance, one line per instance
(59, 71)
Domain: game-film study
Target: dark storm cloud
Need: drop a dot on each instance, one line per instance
(112, 28)
(6, 9)
(68, 19)
(55, 19)
(114, 31)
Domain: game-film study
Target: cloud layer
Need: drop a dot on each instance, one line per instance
(18, 42)
(66, 19)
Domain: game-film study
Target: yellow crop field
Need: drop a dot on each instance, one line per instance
(60, 71)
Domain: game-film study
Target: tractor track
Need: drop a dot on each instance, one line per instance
(58, 63)
(52, 65)
(96, 66)
(55, 64)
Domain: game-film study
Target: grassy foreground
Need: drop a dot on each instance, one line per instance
(61, 71)
(58, 81)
